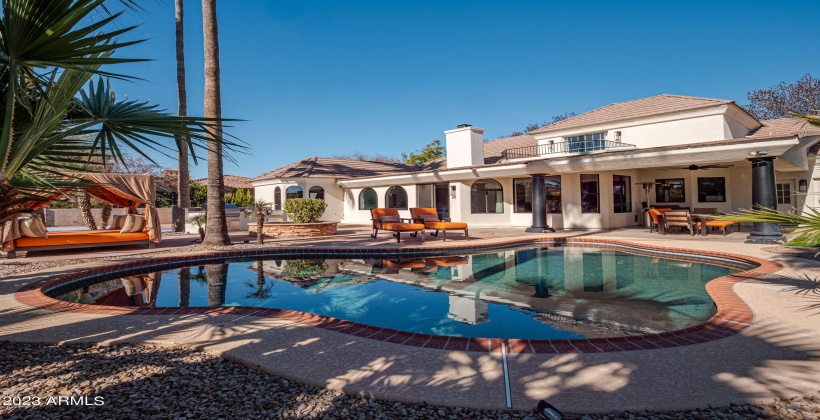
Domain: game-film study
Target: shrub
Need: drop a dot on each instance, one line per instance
(305, 210)
(242, 198)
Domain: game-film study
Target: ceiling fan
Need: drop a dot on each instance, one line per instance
(694, 167)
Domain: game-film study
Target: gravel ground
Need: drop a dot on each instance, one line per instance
(140, 381)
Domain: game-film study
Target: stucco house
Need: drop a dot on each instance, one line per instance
(596, 170)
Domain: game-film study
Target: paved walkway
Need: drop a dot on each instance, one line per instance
(778, 355)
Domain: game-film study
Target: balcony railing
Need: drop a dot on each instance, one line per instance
(562, 147)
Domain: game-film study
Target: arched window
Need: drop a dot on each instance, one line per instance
(486, 196)
(277, 198)
(368, 199)
(316, 192)
(293, 192)
(396, 198)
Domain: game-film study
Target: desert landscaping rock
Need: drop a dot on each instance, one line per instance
(142, 382)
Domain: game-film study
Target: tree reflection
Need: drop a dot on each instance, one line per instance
(217, 277)
(262, 291)
(184, 278)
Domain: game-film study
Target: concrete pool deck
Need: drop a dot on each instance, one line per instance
(778, 355)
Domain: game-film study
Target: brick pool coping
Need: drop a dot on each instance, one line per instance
(733, 314)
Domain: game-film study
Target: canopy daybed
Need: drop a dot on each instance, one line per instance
(125, 190)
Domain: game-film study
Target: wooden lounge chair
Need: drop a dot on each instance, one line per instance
(389, 219)
(430, 218)
(679, 218)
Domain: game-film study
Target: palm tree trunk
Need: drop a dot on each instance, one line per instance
(106, 214)
(216, 227)
(260, 223)
(84, 203)
(184, 177)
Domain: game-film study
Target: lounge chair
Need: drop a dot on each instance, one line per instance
(655, 213)
(389, 219)
(429, 216)
(679, 218)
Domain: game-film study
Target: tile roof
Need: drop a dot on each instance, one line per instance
(317, 167)
(231, 181)
(784, 127)
(629, 110)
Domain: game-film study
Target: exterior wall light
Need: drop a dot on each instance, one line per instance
(617, 137)
(758, 153)
(803, 186)
(453, 192)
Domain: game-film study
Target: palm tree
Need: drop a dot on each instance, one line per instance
(216, 229)
(183, 176)
(50, 50)
(259, 206)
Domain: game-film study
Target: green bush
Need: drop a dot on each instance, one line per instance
(305, 210)
(242, 198)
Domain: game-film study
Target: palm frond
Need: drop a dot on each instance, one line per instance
(139, 126)
(808, 223)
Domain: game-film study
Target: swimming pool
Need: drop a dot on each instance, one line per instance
(534, 292)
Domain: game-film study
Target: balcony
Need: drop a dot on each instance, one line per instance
(563, 147)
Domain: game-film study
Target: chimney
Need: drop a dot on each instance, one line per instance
(465, 146)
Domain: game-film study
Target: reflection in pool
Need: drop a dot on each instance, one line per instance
(542, 292)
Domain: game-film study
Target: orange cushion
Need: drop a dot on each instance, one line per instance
(80, 238)
(402, 227)
(445, 225)
(721, 223)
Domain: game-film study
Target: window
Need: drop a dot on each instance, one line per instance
(587, 142)
(522, 190)
(316, 192)
(553, 187)
(396, 198)
(293, 192)
(590, 199)
(368, 199)
(670, 191)
(277, 198)
(711, 190)
(486, 196)
(784, 194)
(622, 193)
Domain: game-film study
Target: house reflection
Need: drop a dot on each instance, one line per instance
(555, 284)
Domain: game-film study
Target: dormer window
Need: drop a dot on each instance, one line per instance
(587, 142)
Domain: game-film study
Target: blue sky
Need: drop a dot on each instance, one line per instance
(319, 78)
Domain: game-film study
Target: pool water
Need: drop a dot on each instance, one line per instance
(540, 292)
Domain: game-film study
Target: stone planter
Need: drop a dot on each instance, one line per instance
(294, 230)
